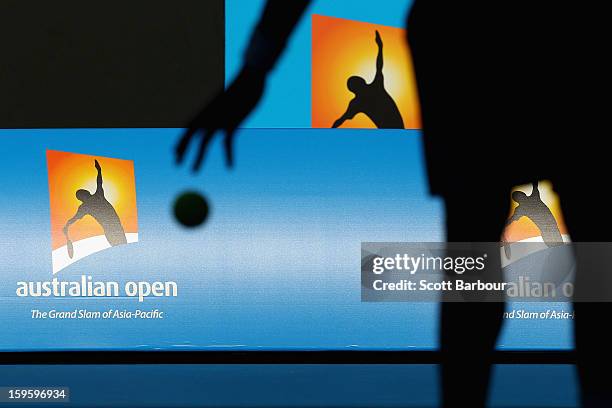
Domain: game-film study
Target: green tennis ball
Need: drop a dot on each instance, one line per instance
(191, 209)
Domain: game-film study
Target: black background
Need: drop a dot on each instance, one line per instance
(94, 63)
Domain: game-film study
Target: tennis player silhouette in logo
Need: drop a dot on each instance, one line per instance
(372, 99)
(532, 207)
(97, 206)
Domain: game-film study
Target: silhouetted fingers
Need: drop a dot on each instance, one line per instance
(183, 144)
(206, 138)
(229, 148)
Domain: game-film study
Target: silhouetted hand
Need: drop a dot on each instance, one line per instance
(97, 165)
(226, 112)
(378, 39)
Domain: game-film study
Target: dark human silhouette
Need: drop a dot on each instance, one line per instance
(372, 99)
(489, 74)
(229, 108)
(97, 206)
(532, 207)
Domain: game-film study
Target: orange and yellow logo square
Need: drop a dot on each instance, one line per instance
(92, 205)
(362, 76)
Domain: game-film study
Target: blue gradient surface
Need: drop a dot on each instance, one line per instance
(277, 265)
(287, 385)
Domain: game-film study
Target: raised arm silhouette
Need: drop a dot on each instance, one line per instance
(532, 207)
(372, 99)
(97, 206)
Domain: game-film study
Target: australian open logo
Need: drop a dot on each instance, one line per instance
(92, 205)
(361, 76)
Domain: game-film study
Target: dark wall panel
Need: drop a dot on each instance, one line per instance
(108, 63)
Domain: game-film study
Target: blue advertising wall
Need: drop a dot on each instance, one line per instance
(277, 264)
(286, 103)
